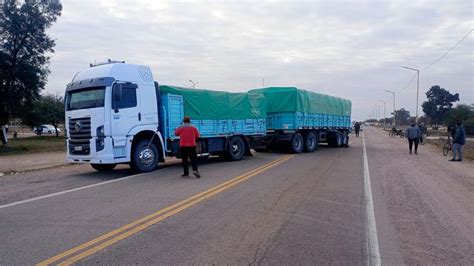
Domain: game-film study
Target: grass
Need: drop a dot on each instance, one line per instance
(37, 144)
(468, 149)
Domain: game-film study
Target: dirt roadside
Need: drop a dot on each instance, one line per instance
(29, 162)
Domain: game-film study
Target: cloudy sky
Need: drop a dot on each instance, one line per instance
(350, 49)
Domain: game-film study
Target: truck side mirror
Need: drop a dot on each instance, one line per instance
(116, 96)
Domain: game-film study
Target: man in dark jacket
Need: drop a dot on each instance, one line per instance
(413, 135)
(357, 128)
(458, 141)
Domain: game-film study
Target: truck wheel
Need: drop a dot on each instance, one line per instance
(236, 149)
(339, 140)
(296, 144)
(310, 142)
(103, 167)
(144, 156)
(346, 140)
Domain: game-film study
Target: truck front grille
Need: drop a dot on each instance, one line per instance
(79, 136)
(80, 128)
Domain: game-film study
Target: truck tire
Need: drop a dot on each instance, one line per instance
(345, 140)
(296, 143)
(310, 142)
(236, 149)
(339, 140)
(144, 157)
(103, 167)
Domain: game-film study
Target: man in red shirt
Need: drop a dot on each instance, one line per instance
(188, 135)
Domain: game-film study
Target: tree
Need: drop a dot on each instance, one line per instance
(402, 116)
(23, 45)
(49, 109)
(438, 104)
(462, 113)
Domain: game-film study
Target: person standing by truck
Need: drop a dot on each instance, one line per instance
(188, 135)
(459, 140)
(413, 135)
(357, 128)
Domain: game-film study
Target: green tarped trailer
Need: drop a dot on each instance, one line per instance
(300, 119)
(229, 123)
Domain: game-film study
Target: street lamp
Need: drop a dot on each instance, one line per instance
(417, 88)
(378, 112)
(393, 93)
(384, 113)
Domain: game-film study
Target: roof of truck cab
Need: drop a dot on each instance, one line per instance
(139, 74)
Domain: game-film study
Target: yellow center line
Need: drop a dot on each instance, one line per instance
(156, 217)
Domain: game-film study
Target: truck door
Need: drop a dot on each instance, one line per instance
(125, 115)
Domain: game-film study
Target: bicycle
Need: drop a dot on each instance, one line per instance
(447, 147)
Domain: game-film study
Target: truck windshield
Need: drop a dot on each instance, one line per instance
(85, 98)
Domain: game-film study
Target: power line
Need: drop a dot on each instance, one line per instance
(438, 59)
(450, 49)
(408, 84)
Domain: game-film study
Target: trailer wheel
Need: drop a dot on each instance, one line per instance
(103, 167)
(236, 149)
(296, 143)
(346, 140)
(339, 140)
(144, 156)
(310, 142)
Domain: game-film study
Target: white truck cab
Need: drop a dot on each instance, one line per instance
(112, 117)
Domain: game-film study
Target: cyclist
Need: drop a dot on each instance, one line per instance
(459, 140)
(424, 132)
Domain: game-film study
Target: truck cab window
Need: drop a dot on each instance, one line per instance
(129, 97)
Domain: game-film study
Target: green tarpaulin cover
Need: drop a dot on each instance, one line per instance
(291, 99)
(216, 105)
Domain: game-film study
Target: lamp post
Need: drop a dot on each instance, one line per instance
(384, 113)
(377, 110)
(417, 88)
(393, 93)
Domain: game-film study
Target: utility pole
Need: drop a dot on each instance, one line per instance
(417, 88)
(384, 113)
(393, 93)
(194, 83)
(376, 114)
(378, 109)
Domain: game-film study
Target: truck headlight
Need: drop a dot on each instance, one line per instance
(100, 132)
(99, 142)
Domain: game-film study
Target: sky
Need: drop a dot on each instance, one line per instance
(349, 49)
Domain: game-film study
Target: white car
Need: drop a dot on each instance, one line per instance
(46, 129)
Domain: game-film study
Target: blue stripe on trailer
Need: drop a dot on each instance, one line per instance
(298, 120)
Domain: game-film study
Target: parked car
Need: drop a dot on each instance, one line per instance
(46, 129)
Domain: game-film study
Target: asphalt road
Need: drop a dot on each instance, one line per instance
(268, 209)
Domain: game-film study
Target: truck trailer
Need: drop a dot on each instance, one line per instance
(116, 113)
(298, 120)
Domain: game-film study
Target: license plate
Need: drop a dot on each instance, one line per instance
(78, 148)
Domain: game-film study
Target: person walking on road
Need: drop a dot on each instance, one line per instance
(357, 128)
(413, 135)
(188, 135)
(459, 140)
